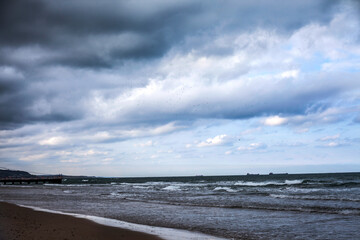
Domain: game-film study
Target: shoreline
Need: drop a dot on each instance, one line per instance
(27, 222)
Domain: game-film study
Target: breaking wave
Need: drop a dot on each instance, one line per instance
(268, 183)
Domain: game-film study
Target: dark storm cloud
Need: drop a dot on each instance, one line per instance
(12, 100)
(59, 25)
(18, 100)
(38, 35)
(9, 86)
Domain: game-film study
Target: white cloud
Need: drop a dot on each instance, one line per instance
(335, 41)
(330, 138)
(90, 152)
(80, 153)
(329, 115)
(290, 74)
(332, 144)
(215, 141)
(34, 157)
(107, 160)
(73, 160)
(261, 74)
(149, 143)
(165, 129)
(228, 152)
(101, 136)
(275, 121)
(252, 147)
(63, 153)
(302, 130)
(53, 141)
(149, 131)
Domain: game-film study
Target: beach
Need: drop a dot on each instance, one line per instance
(25, 224)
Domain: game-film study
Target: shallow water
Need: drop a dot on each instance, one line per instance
(306, 206)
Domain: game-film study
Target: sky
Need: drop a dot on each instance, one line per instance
(173, 88)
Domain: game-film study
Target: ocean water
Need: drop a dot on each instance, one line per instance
(284, 206)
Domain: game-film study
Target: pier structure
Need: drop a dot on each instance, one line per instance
(35, 180)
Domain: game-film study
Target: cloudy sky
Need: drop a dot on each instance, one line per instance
(158, 88)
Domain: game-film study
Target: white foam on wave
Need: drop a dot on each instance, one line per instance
(293, 182)
(172, 188)
(256, 184)
(165, 184)
(279, 196)
(151, 183)
(162, 232)
(115, 194)
(227, 189)
(172, 183)
(303, 190)
(66, 185)
(141, 187)
(267, 183)
(190, 184)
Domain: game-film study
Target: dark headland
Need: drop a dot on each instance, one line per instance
(22, 177)
(6, 173)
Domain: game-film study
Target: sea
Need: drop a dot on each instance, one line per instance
(276, 206)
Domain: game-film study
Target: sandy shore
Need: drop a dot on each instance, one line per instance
(24, 223)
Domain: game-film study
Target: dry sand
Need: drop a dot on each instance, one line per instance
(23, 223)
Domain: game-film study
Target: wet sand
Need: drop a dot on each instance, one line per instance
(23, 223)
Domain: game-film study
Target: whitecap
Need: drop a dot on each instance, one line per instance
(279, 196)
(114, 194)
(66, 185)
(293, 182)
(172, 188)
(267, 183)
(257, 184)
(227, 189)
(141, 187)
